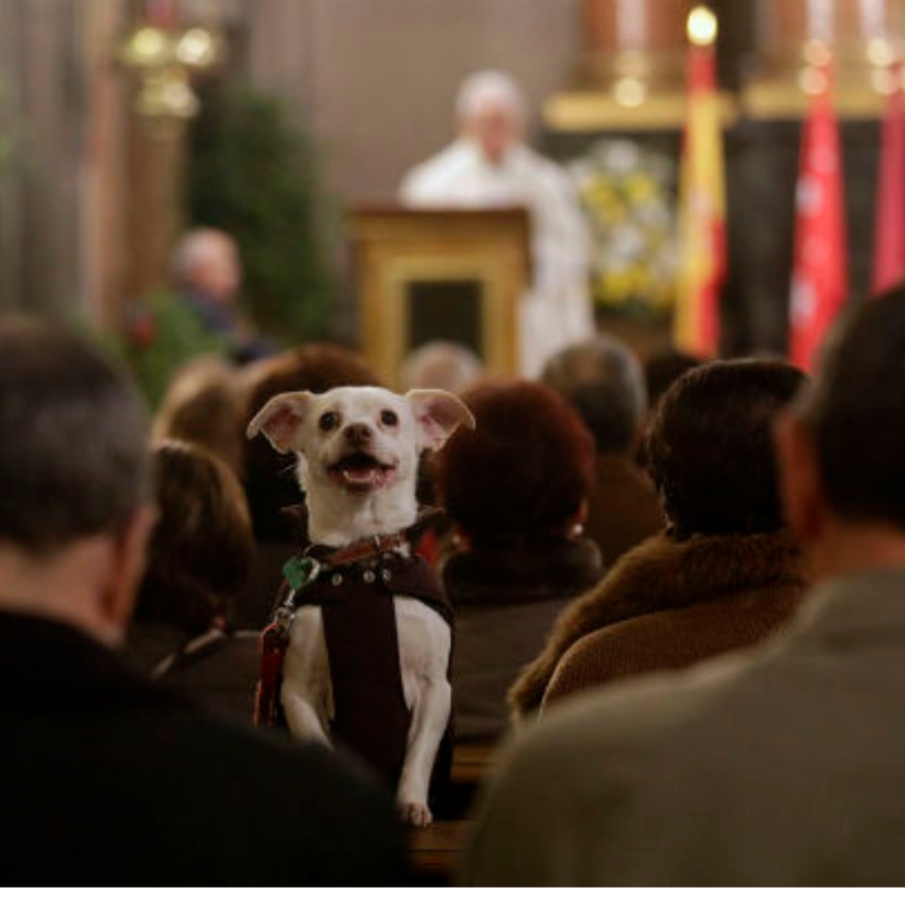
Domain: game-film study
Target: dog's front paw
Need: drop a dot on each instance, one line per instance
(416, 814)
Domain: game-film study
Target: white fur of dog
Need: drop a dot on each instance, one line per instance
(358, 451)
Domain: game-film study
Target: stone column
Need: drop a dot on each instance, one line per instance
(105, 184)
(643, 38)
(43, 102)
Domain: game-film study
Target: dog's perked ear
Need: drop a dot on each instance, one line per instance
(437, 415)
(280, 419)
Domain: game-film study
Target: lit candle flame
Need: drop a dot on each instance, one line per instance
(702, 26)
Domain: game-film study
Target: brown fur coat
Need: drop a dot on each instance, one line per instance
(663, 574)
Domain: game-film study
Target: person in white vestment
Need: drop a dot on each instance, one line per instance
(488, 166)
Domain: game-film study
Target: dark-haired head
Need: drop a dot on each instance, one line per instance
(855, 412)
(663, 368)
(201, 550)
(524, 473)
(710, 449)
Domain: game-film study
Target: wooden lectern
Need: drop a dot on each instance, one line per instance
(455, 275)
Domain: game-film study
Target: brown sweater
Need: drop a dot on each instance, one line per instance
(750, 585)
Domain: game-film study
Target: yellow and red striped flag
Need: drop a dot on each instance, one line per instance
(702, 203)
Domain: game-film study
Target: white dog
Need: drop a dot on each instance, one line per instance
(358, 450)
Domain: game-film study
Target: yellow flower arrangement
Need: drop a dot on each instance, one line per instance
(628, 192)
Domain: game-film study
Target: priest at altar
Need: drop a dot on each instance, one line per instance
(490, 166)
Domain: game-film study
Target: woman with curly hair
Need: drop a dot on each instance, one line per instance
(516, 491)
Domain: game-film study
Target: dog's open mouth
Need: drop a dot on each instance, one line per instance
(360, 472)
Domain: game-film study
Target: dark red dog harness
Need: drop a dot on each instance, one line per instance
(355, 588)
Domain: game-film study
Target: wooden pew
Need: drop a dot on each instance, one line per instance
(436, 851)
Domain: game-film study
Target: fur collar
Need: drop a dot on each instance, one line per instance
(662, 574)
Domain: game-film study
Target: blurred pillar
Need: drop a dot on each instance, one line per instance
(155, 166)
(166, 47)
(104, 171)
(43, 102)
(617, 25)
(631, 69)
(862, 34)
(789, 23)
(632, 38)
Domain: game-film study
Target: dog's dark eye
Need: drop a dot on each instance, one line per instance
(328, 421)
(388, 417)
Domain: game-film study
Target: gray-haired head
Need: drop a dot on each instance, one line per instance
(207, 259)
(603, 379)
(490, 88)
(446, 365)
(491, 112)
(73, 459)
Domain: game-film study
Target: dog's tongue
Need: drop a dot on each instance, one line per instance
(361, 474)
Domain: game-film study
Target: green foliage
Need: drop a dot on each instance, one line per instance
(160, 337)
(253, 174)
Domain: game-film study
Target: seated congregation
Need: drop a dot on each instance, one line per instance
(629, 587)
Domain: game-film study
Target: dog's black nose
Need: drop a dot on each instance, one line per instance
(358, 434)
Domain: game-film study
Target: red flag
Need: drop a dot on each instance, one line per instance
(820, 275)
(889, 224)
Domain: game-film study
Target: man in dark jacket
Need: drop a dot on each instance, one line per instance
(106, 778)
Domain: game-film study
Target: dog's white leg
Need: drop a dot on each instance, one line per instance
(306, 695)
(303, 719)
(429, 717)
(424, 646)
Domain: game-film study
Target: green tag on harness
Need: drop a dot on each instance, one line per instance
(299, 572)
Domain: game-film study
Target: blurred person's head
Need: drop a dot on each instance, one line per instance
(269, 478)
(524, 474)
(842, 444)
(710, 451)
(201, 550)
(444, 365)
(663, 368)
(204, 405)
(74, 480)
(603, 380)
(491, 113)
(207, 260)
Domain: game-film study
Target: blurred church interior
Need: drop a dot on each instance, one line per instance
(100, 103)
